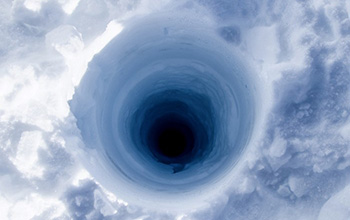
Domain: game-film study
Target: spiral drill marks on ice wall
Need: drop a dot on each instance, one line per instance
(166, 111)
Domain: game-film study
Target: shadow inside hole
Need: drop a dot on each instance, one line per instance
(174, 127)
(171, 138)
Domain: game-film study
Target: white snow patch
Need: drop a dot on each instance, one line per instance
(34, 5)
(34, 205)
(26, 157)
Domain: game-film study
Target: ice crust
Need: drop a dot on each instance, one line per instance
(298, 166)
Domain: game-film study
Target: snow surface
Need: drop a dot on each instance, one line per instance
(297, 167)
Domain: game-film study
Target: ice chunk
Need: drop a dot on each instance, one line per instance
(66, 39)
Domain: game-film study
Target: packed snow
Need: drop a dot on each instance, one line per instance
(294, 160)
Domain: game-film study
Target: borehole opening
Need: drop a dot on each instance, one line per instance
(165, 118)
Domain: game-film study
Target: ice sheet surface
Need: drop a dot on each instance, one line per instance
(297, 166)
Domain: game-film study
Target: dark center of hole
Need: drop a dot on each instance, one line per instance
(171, 139)
(174, 139)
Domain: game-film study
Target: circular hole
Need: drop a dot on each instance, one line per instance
(165, 117)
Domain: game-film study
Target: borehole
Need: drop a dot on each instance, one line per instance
(166, 117)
